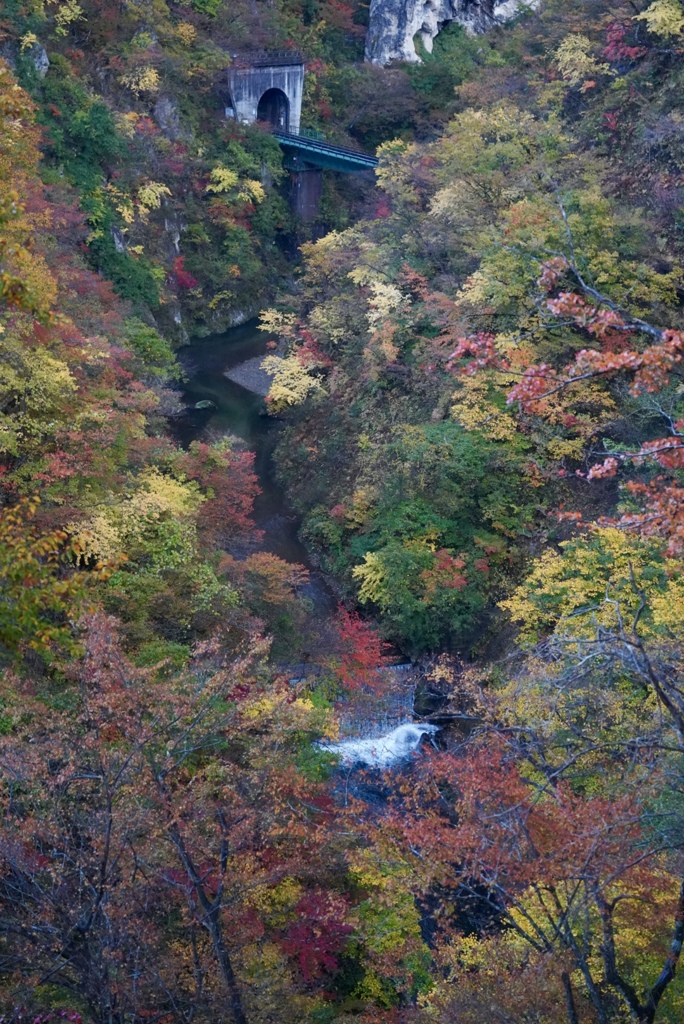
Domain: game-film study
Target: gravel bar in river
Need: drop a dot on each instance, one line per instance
(250, 375)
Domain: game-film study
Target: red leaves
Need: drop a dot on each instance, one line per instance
(610, 120)
(590, 317)
(362, 651)
(504, 833)
(228, 478)
(481, 346)
(651, 367)
(318, 933)
(445, 573)
(536, 383)
(180, 276)
(616, 49)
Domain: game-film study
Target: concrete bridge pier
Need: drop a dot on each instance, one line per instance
(306, 189)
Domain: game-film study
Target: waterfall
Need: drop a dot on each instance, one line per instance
(381, 751)
(376, 726)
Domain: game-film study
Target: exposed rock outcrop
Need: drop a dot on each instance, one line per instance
(166, 116)
(395, 23)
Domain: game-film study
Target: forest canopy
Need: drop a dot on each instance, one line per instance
(475, 364)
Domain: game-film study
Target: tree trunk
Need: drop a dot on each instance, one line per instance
(569, 999)
(668, 972)
(211, 920)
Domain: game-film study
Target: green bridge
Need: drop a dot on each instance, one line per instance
(313, 151)
(307, 155)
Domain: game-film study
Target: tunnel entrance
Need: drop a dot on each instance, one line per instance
(274, 109)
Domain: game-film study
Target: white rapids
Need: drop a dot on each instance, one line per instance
(381, 751)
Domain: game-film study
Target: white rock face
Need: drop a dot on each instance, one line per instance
(394, 23)
(40, 59)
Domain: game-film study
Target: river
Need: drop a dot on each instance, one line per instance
(235, 410)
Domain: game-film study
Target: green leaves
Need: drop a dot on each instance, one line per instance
(40, 596)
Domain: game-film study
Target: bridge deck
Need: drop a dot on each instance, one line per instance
(316, 153)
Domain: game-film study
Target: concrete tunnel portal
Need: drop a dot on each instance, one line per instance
(274, 109)
(268, 88)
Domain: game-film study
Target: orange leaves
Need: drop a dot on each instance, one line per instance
(493, 827)
(362, 652)
(590, 317)
(650, 367)
(552, 271)
(482, 348)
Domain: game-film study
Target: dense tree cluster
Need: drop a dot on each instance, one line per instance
(480, 382)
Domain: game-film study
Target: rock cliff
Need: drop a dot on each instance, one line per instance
(395, 23)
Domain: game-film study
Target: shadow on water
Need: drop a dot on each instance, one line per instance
(235, 410)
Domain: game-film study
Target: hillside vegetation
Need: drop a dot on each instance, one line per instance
(480, 383)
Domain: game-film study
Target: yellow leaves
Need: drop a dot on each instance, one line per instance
(372, 576)
(279, 711)
(38, 286)
(262, 708)
(362, 275)
(292, 383)
(575, 62)
(596, 581)
(112, 530)
(186, 32)
(474, 409)
(361, 511)
(66, 13)
(385, 300)
(223, 180)
(277, 898)
(126, 123)
(126, 210)
(478, 143)
(565, 448)
(251, 191)
(667, 607)
(394, 171)
(150, 193)
(25, 279)
(35, 387)
(158, 494)
(29, 40)
(476, 289)
(330, 320)
(150, 197)
(663, 18)
(274, 322)
(143, 78)
(220, 297)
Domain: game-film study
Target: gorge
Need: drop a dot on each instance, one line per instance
(341, 650)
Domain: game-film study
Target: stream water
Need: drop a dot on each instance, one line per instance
(229, 408)
(235, 410)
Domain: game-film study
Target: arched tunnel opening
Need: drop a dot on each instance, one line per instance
(274, 109)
